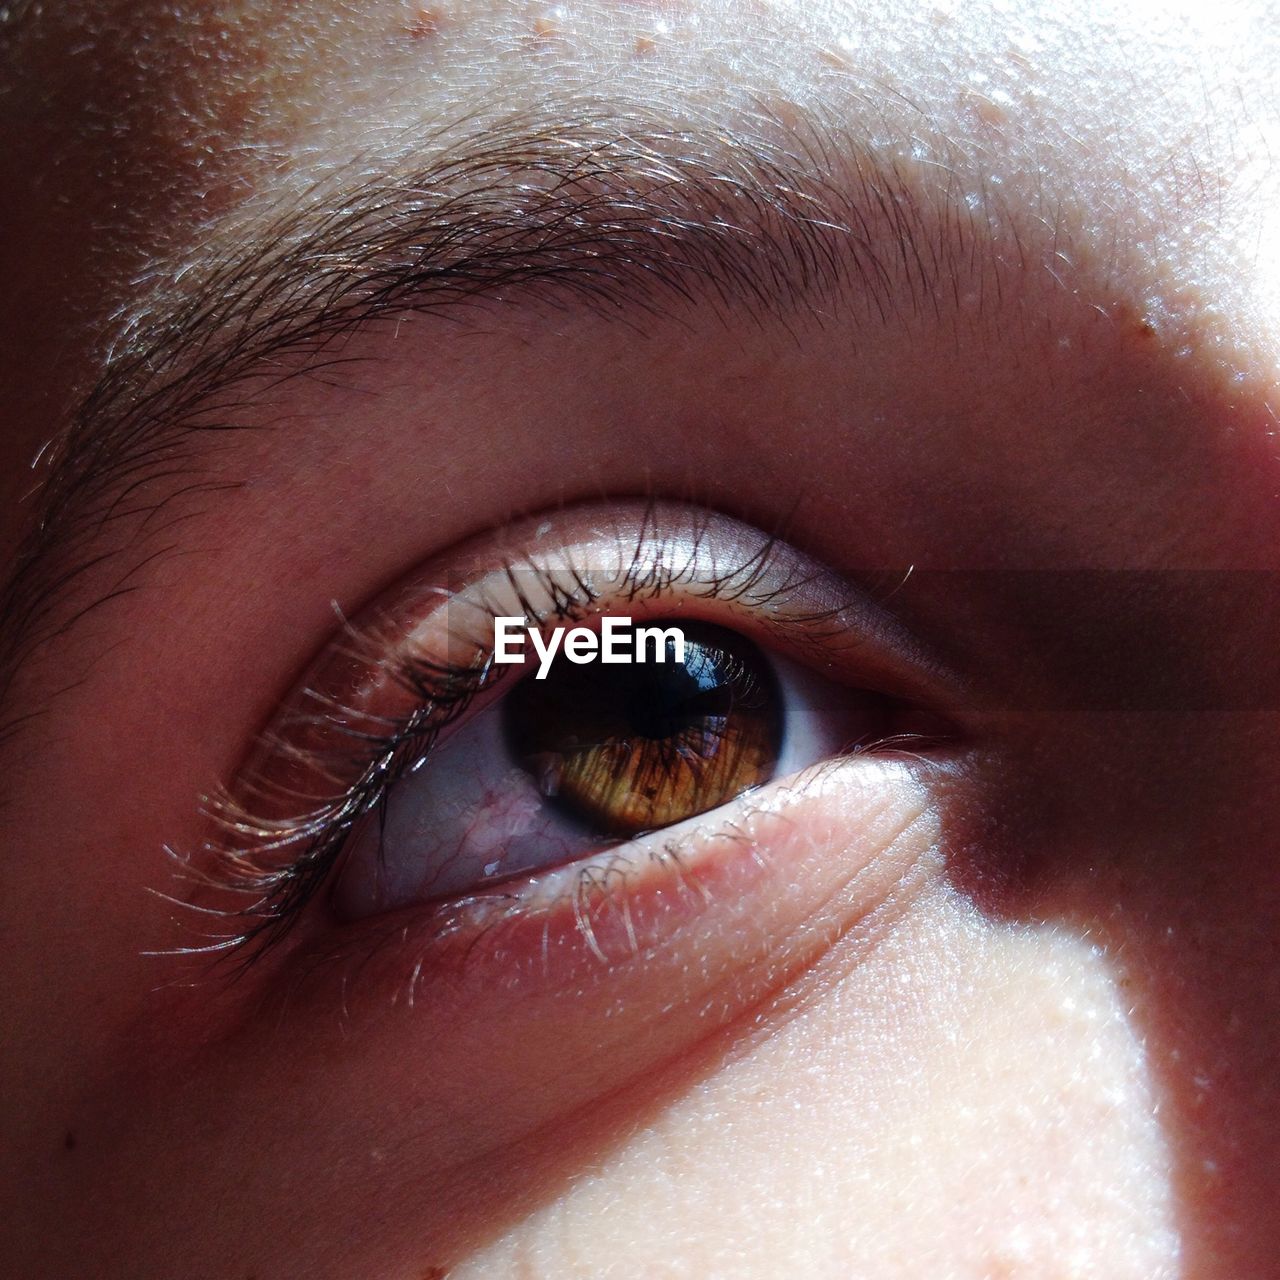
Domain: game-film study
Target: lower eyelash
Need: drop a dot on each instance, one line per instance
(598, 893)
(272, 867)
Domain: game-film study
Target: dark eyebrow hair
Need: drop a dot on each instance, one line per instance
(572, 205)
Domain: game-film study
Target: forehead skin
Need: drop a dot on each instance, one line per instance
(1142, 130)
(1121, 418)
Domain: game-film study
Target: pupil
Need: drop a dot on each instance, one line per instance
(668, 698)
(631, 747)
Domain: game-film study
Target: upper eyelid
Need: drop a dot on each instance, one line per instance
(705, 554)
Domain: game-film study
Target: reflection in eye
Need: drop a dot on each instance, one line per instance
(409, 767)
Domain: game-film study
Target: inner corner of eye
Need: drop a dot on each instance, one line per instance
(595, 746)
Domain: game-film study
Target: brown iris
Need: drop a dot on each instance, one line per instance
(627, 748)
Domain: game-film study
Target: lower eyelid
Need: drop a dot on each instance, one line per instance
(481, 1025)
(765, 878)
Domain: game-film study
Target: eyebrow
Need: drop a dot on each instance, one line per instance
(575, 205)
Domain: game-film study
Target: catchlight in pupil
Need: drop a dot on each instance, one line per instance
(628, 748)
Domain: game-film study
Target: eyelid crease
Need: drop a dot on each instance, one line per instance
(373, 705)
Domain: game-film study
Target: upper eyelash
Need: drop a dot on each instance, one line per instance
(278, 865)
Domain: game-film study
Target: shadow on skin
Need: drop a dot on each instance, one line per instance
(1142, 830)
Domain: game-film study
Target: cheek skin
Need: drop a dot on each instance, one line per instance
(452, 1058)
(967, 1100)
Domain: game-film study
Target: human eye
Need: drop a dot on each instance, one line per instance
(414, 776)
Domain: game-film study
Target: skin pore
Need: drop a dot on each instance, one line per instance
(989, 314)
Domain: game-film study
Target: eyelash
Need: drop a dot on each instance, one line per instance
(275, 867)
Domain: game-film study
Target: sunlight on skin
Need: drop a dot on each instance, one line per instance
(962, 1151)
